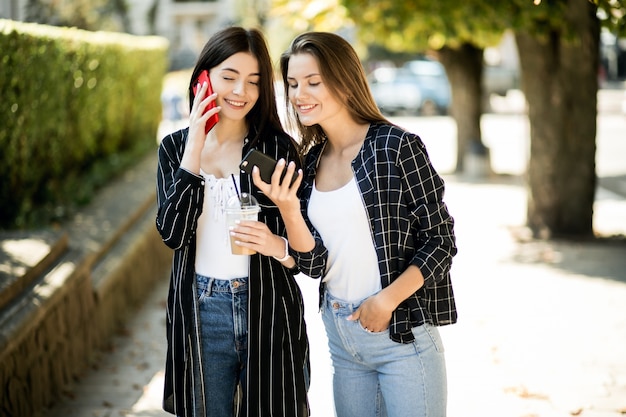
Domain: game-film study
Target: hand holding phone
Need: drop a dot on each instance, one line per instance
(202, 78)
(266, 165)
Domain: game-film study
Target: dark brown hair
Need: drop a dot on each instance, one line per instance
(263, 117)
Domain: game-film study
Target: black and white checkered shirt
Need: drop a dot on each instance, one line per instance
(410, 223)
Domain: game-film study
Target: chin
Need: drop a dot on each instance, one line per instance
(307, 121)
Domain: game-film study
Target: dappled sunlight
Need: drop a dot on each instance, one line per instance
(55, 279)
(22, 254)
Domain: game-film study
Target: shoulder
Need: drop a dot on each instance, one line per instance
(388, 132)
(310, 160)
(175, 140)
(394, 138)
(396, 143)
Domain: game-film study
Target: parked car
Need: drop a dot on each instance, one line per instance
(419, 87)
(499, 80)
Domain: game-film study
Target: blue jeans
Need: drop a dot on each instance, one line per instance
(374, 376)
(223, 310)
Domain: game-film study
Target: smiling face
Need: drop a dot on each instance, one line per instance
(314, 102)
(236, 82)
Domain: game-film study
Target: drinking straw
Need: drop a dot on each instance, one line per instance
(235, 184)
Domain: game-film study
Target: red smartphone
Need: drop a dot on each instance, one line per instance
(202, 78)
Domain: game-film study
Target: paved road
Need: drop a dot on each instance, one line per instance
(541, 328)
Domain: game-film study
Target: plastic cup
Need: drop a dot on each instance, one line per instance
(241, 208)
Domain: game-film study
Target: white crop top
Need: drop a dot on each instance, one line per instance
(340, 218)
(213, 256)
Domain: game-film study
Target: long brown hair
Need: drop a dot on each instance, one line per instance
(263, 117)
(341, 70)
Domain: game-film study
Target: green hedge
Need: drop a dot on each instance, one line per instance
(71, 99)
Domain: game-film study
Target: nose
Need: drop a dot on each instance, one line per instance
(298, 92)
(240, 88)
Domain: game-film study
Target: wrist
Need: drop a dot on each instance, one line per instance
(286, 253)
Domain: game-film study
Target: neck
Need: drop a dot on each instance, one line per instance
(346, 137)
(229, 131)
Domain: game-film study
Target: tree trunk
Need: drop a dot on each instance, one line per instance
(559, 79)
(464, 68)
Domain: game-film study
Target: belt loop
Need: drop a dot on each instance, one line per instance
(322, 296)
(209, 287)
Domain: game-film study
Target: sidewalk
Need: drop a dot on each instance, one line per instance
(541, 331)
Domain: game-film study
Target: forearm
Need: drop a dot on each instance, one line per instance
(191, 159)
(402, 287)
(298, 233)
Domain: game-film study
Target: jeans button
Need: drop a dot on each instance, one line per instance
(235, 284)
(336, 306)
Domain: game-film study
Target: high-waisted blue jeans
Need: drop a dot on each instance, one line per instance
(223, 306)
(374, 376)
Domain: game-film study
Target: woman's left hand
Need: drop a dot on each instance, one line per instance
(257, 236)
(374, 313)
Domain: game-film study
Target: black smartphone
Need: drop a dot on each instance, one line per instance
(266, 165)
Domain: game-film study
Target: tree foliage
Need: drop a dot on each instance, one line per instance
(288, 18)
(418, 25)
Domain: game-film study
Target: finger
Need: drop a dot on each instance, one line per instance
(199, 96)
(290, 174)
(298, 180)
(244, 237)
(278, 172)
(197, 117)
(256, 179)
(355, 316)
(208, 99)
(251, 227)
(250, 223)
(208, 113)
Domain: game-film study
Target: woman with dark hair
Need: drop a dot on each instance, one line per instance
(372, 224)
(232, 320)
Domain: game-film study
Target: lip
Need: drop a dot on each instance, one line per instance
(305, 108)
(235, 104)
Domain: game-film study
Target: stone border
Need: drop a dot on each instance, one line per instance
(76, 296)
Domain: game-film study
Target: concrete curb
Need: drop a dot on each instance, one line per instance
(65, 314)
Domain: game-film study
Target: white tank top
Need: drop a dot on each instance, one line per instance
(340, 218)
(213, 256)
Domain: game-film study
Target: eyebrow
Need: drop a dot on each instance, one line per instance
(237, 72)
(306, 76)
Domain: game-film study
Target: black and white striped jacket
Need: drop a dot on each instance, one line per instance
(278, 353)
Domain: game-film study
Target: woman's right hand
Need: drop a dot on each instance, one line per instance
(282, 193)
(197, 116)
(197, 121)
